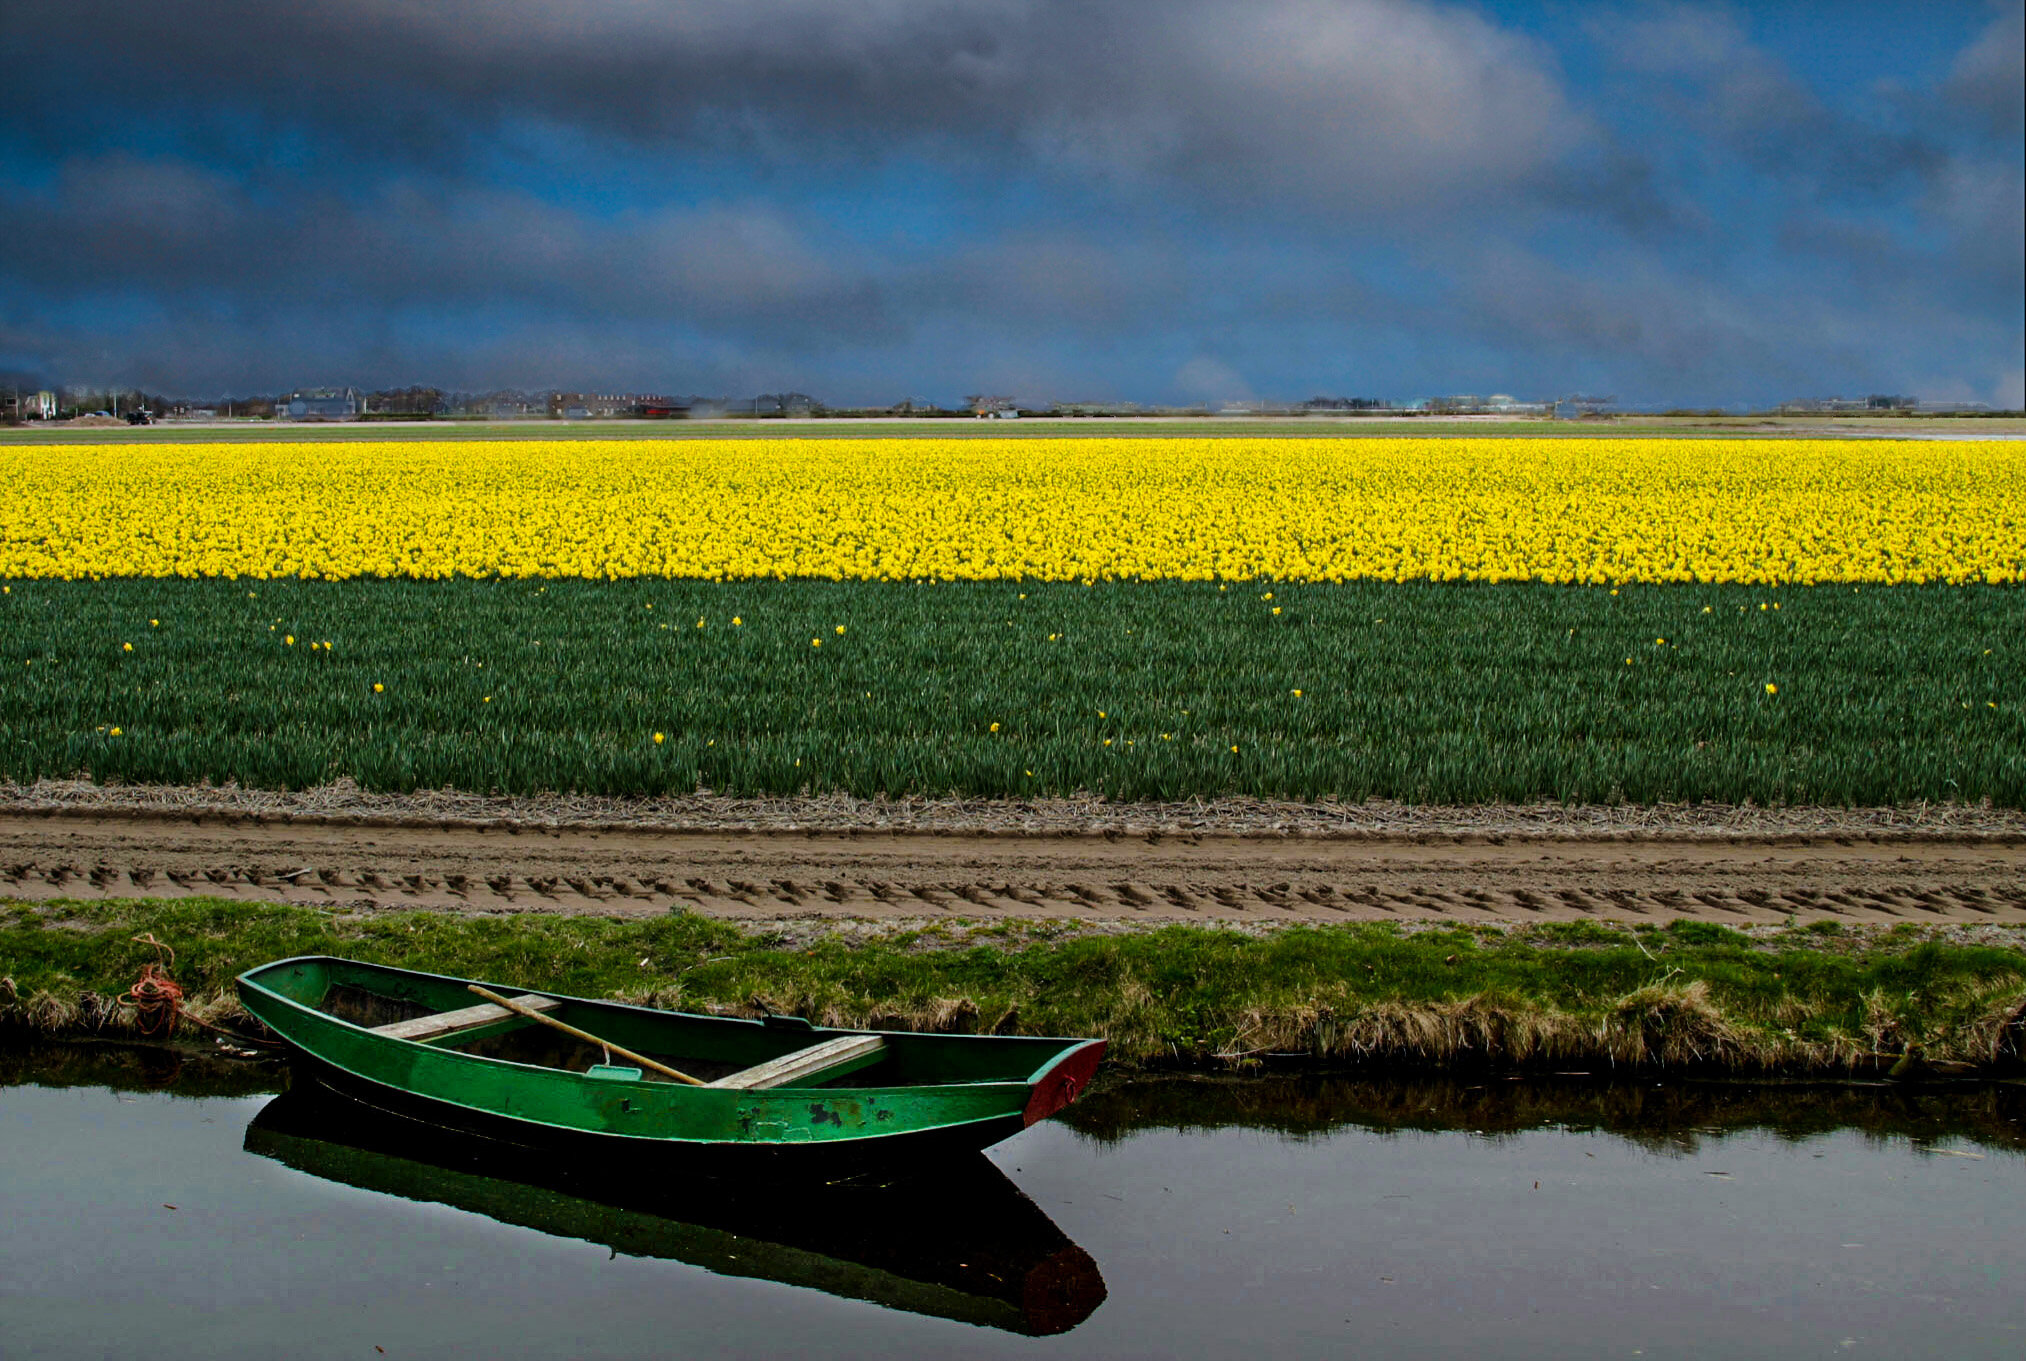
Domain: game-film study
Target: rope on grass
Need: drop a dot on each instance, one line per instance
(156, 999)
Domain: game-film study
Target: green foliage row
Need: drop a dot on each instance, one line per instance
(1442, 693)
(1179, 992)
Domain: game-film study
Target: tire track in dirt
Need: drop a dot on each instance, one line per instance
(1260, 878)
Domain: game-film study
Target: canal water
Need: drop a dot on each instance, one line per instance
(159, 1207)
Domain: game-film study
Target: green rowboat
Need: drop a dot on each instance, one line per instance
(541, 1069)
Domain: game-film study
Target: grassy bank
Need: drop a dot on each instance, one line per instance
(1458, 693)
(1693, 995)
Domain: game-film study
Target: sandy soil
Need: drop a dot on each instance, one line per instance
(839, 858)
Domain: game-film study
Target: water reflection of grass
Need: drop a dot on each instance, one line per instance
(1672, 1118)
(1694, 995)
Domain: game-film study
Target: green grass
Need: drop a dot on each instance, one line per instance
(1426, 693)
(1186, 994)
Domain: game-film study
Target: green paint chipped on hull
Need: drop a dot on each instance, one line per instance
(923, 1090)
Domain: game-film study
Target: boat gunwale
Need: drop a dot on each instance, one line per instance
(1071, 1045)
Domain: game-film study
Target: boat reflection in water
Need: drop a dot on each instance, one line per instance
(958, 1241)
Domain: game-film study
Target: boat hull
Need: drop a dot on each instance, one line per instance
(709, 1157)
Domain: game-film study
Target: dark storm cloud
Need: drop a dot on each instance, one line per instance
(1988, 79)
(1179, 199)
(118, 218)
(1375, 106)
(1757, 108)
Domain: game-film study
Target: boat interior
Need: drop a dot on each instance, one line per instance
(615, 1040)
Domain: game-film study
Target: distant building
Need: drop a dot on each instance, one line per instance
(1850, 406)
(1497, 404)
(985, 407)
(1098, 408)
(322, 404)
(1577, 407)
(408, 401)
(29, 406)
(596, 406)
(785, 404)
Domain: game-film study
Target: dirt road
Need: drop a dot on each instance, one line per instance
(1840, 871)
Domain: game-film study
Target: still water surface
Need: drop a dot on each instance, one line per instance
(1277, 1218)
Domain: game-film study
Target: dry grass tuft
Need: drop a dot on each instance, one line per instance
(1678, 1025)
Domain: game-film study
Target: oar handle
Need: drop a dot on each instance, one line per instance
(645, 1062)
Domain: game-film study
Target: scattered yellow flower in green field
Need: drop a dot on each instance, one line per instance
(1588, 510)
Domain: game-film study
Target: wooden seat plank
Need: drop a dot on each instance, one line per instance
(465, 1018)
(806, 1067)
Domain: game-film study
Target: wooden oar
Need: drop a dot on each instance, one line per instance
(489, 995)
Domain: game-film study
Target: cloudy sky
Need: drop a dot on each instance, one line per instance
(1057, 199)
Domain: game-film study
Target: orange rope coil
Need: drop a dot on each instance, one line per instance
(155, 997)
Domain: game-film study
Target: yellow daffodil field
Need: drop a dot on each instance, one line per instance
(1571, 510)
(1588, 619)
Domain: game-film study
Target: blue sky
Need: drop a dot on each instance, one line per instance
(1059, 199)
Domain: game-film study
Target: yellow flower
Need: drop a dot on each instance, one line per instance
(378, 688)
(1276, 609)
(1772, 689)
(840, 630)
(1168, 508)
(1107, 741)
(657, 739)
(116, 732)
(699, 623)
(288, 638)
(154, 623)
(737, 622)
(1234, 748)
(127, 647)
(1660, 642)
(487, 700)
(1297, 694)
(995, 727)
(816, 642)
